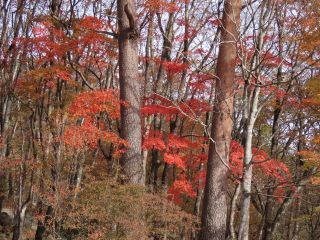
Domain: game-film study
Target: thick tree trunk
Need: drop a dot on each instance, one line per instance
(214, 213)
(131, 161)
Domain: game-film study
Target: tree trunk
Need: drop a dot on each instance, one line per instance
(41, 228)
(131, 162)
(247, 173)
(214, 213)
(233, 211)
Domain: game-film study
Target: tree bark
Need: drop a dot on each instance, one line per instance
(214, 213)
(233, 211)
(131, 162)
(247, 172)
(41, 228)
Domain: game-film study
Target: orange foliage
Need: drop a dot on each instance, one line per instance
(87, 107)
(161, 6)
(261, 162)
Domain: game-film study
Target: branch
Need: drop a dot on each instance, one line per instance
(130, 17)
(115, 35)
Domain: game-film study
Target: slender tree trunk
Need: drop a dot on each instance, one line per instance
(79, 174)
(247, 174)
(267, 215)
(296, 224)
(41, 228)
(196, 210)
(233, 212)
(214, 213)
(274, 221)
(19, 220)
(131, 161)
(166, 51)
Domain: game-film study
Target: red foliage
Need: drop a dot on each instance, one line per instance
(90, 22)
(86, 107)
(195, 107)
(262, 163)
(87, 135)
(174, 67)
(174, 147)
(174, 159)
(159, 108)
(154, 141)
(50, 43)
(201, 82)
(161, 6)
(88, 104)
(236, 158)
(177, 142)
(181, 187)
(192, 107)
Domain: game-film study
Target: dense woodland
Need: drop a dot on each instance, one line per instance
(160, 119)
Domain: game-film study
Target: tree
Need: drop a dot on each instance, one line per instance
(130, 89)
(215, 205)
(251, 111)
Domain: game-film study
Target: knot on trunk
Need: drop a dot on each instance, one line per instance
(246, 193)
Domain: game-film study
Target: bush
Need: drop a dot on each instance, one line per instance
(108, 210)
